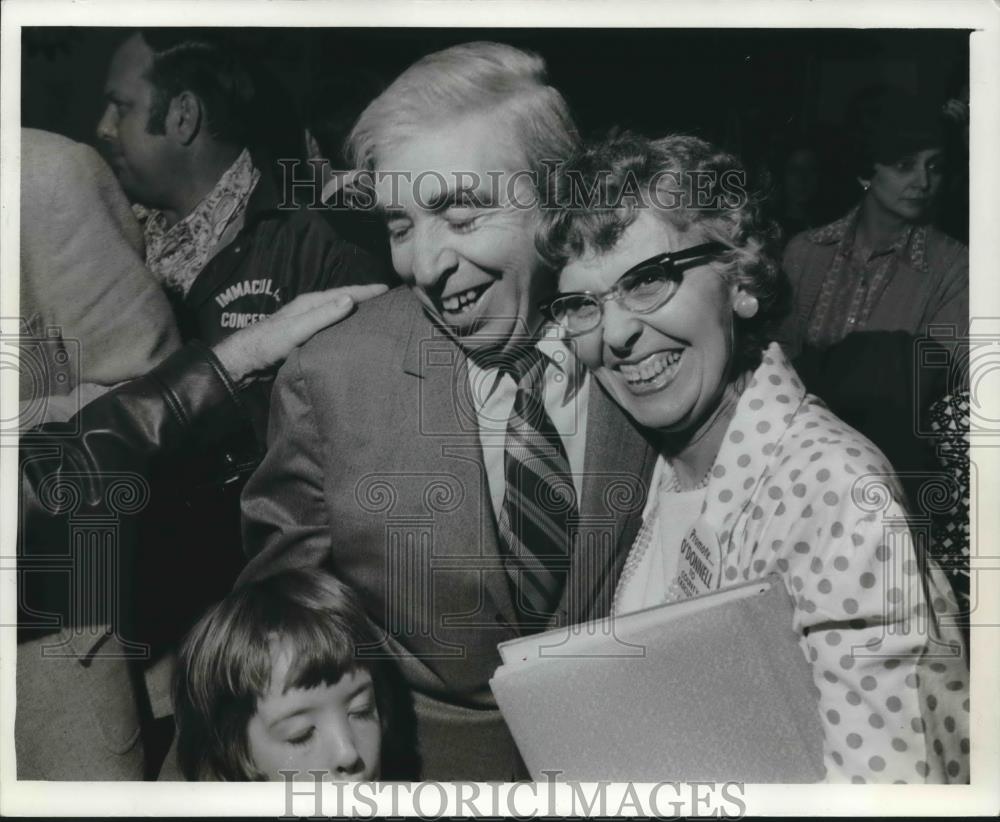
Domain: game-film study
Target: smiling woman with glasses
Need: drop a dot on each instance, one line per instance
(668, 294)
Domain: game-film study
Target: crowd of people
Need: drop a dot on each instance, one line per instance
(364, 446)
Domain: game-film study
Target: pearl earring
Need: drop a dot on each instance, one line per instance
(747, 306)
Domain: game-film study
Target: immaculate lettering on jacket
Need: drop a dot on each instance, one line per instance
(245, 288)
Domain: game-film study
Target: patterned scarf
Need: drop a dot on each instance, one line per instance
(177, 255)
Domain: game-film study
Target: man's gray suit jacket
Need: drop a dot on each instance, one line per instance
(374, 470)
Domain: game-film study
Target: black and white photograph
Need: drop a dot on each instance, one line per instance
(467, 408)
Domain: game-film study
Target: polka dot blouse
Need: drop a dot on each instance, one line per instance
(795, 491)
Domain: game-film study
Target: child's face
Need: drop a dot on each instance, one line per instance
(333, 728)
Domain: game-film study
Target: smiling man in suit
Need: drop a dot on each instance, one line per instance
(441, 451)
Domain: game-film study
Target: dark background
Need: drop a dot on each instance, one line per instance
(757, 92)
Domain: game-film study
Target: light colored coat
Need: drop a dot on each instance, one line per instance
(102, 319)
(84, 288)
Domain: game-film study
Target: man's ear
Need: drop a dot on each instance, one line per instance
(184, 117)
(313, 151)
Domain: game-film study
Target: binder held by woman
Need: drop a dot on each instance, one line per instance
(711, 688)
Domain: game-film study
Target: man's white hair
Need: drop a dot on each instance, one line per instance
(467, 79)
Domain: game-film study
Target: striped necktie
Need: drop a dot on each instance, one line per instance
(539, 504)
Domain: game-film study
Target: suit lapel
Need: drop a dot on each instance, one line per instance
(617, 468)
(449, 435)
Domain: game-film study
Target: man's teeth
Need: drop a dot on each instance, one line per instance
(649, 368)
(458, 302)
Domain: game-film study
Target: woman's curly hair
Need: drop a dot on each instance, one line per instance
(687, 182)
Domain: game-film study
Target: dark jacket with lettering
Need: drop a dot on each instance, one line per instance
(189, 536)
(280, 252)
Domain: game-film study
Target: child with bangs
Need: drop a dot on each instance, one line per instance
(285, 674)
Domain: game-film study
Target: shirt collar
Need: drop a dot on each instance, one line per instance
(918, 249)
(837, 230)
(239, 180)
(763, 415)
(555, 348)
(910, 242)
(178, 253)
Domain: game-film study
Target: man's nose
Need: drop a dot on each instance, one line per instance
(106, 128)
(622, 328)
(433, 257)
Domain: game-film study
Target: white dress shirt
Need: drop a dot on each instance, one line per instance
(565, 398)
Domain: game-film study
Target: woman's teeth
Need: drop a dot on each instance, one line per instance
(459, 302)
(649, 368)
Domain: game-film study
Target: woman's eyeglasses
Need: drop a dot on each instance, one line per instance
(644, 288)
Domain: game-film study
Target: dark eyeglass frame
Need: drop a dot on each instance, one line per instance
(672, 265)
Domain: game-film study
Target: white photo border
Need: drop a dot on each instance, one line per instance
(981, 797)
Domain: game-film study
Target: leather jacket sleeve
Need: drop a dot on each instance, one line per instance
(91, 473)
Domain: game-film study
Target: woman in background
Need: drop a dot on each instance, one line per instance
(882, 267)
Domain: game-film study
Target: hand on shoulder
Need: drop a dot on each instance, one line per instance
(265, 344)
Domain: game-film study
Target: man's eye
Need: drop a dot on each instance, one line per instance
(302, 738)
(398, 231)
(463, 222)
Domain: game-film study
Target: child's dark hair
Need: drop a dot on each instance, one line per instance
(226, 663)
